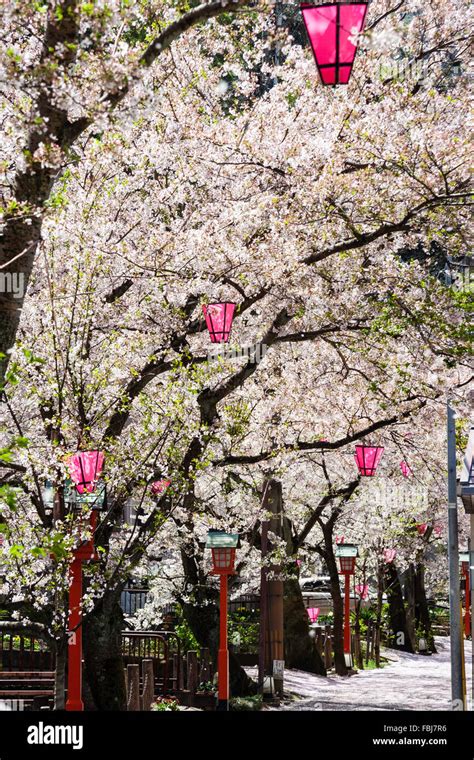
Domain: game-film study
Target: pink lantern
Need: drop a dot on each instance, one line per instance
(219, 318)
(422, 528)
(389, 555)
(362, 591)
(159, 486)
(406, 469)
(331, 29)
(85, 468)
(313, 613)
(368, 458)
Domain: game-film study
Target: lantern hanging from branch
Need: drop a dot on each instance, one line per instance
(159, 486)
(332, 31)
(368, 458)
(406, 469)
(219, 317)
(86, 468)
(389, 555)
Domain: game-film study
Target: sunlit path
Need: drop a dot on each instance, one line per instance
(409, 682)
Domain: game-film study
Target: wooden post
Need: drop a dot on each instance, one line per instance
(275, 590)
(327, 647)
(133, 679)
(148, 679)
(192, 676)
(205, 674)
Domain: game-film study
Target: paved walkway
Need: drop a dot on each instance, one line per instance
(408, 682)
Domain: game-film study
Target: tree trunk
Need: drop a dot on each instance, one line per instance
(378, 618)
(357, 644)
(422, 613)
(60, 651)
(104, 668)
(300, 648)
(203, 619)
(402, 635)
(409, 594)
(338, 607)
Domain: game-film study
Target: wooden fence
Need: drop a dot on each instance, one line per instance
(190, 681)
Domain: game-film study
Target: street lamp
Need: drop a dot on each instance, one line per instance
(85, 468)
(464, 562)
(367, 459)
(347, 554)
(223, 547)
(219, 317)
(331, 29)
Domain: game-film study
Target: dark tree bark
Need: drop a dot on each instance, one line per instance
(300, 649)
(338, 609)
(203, 619)
(104, 669)
(401, 633)
(422, 613)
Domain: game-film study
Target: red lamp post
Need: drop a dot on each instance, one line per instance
(464, 562)
(347, 554)
(223, 547)
(219, 317)
(331, 28)
(367, 459)
(85, 468)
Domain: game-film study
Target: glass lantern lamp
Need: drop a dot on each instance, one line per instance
(347, 555)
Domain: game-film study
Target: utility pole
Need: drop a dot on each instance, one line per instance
(457, 689)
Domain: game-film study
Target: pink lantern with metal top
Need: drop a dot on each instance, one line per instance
(85, 468)
(368, 458)
(332, 30)
(389, 555)
(219, 317)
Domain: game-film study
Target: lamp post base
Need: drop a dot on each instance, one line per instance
(348, 660)
(222, 705)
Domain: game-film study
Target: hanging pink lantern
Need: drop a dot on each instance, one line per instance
(331, 29)
(219, 317)
(368, 458)
(422, 528)
(85, 468)
(159, 486)
(362, 591)
(406, 469)
(313, 613)
(389, 555)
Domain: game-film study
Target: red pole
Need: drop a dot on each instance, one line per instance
(74, 678)
(223, 656)
(467, 616)
(347, 619)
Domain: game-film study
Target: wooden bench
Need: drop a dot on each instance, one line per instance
(32, 687)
